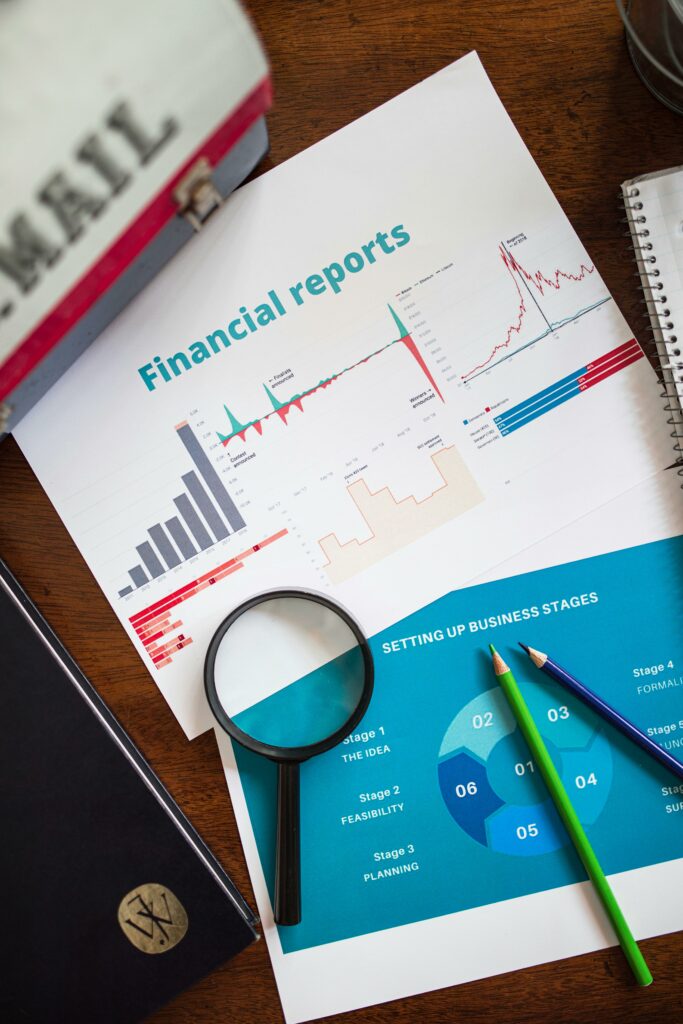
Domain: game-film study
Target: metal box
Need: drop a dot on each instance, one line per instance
(124, 125)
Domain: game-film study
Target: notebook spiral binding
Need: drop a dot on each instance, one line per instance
(664, 350)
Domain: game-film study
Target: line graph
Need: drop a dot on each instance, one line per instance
(526, 285)
(283, 409)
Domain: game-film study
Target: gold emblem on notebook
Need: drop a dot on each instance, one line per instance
(152, 918)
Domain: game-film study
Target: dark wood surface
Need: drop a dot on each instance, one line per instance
(562, 71)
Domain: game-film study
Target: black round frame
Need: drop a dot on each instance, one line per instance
(287, 754)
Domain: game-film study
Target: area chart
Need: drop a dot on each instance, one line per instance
(393, 524)
(283, 409)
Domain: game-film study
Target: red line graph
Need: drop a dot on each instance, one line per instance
(537, 280)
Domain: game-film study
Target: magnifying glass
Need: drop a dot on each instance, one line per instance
(288, 674)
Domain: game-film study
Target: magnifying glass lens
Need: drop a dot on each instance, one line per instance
(289, 672)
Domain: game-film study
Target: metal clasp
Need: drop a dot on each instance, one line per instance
(196, 194)
(5, 414)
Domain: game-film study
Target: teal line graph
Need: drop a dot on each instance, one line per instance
(551, 329)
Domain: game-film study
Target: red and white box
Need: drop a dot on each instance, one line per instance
(124, 125)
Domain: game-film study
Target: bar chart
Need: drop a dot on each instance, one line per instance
(568, 387)
(160, 636)
(206, 514)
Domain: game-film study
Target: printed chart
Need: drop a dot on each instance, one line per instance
(434, 804)
(572, 386)
(191, 535)
(333, 399)
(282, 409)
(162, 638)
(492, 788)
(515, 339)
(394, 524)
(537, 298)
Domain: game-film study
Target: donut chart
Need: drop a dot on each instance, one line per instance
(491, 786)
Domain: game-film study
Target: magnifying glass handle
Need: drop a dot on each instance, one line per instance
(288, 852)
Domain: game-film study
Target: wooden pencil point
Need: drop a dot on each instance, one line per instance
(538, 657)
(499, 666)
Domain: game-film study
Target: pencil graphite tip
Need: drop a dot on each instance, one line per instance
(492, 649)
(523, 646)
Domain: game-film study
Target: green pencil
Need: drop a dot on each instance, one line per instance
(570, 819)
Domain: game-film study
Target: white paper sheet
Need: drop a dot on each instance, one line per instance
(386, 365)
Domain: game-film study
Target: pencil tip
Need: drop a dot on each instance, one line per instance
(538, 657)
(523, 646)
(499, 666)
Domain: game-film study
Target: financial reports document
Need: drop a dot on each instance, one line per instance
(384, 367)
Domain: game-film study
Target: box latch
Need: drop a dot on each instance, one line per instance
(196, 194)
(5, 413)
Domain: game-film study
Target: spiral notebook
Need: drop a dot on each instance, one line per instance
(654, 211)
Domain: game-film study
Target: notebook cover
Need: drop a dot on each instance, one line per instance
(112, 904)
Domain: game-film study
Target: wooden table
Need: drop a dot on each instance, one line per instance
(563, 73)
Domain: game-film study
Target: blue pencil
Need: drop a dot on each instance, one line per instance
(556, 671)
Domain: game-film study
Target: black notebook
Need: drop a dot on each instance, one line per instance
(112, 904)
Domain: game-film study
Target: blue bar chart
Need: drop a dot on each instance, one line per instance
(568, 387)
